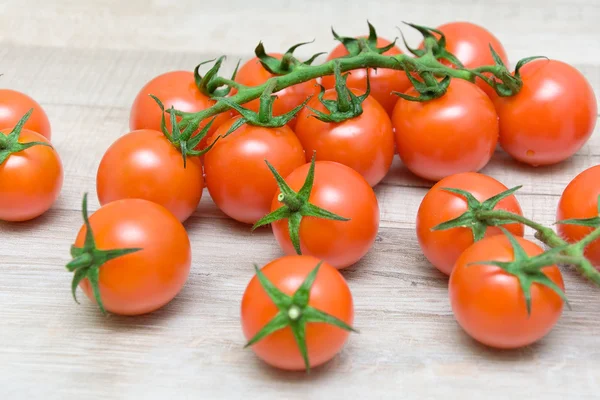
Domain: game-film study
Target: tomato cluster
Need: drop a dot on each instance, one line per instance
(305, 160)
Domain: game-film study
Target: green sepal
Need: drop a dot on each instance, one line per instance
(287, 63)
(592, 222)
(88, 260)
(296, 206)
(9, 144)
(207, 84)
(428, 89)
(437, 46)
(355, 46)
(505, 84)
(294, 312)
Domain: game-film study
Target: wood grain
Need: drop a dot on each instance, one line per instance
(85, 61)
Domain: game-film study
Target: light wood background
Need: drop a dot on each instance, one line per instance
(84, 61)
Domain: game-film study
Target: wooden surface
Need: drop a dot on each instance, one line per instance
(84, 61)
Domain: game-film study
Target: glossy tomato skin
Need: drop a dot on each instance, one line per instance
(364, 143)
(580, 201)
(146, 280)
(552, 116)
(144, 165)
(489, 304)
(30, 180)
(383, 81)
(237, 176)
(14, 105)
(442, 248)
(177, 89)
(455, 133)
(329, 294)
(252, 73)
(344, 192)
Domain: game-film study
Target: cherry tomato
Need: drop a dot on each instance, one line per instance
(252, 73)
(30, 180)
(443, 247)
(383, 81)
(13, 105)
(552, 116)
(364, 143)
(146, 280)
(342, 191)
(143, 164)
(329, 294)
(580, 201)
(489, 303)
(455, 133)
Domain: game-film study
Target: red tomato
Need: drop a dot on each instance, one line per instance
(342, 191)
(364, 143)
(442, 248)
(329, 294)
(252, 73)
(580, 201)
(144, 165)
(237, 177)
(455, 133)
(13, 105)
(383, 81)
(177, 89)
(489, 303)
(30, 179)
(146, 280)
(552, 116)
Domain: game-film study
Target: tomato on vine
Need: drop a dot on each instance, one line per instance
(13, 105)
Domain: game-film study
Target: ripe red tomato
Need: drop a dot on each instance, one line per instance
(443, 247)
(30, 180)
(580, 201)
(383, 81)
(252, 73)
(342, 191)
(144, 165)
(13, 105)
(364, 143)
(329, 294)
(455, 133)
(177, 89)
(489, 303)
(552, 116)
(146, 280)
(237, 177)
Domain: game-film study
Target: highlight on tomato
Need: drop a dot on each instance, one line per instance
(31, 173)
(14, 104)
(130, 257)
(504, 296)
(447, 222)
(297, 312)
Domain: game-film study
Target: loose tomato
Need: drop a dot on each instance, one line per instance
(443, 247)
(237, 178)
(489, 303)
(364, 143)
(13, 105)
(143, 164)
(328, 294)
(455, 133)
(580, 201)
(252, 73)
(144, 280)
(552, 116)
(30, 180)
(342, 191)
(383, 81)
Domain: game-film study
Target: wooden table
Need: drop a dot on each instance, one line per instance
(85, 61)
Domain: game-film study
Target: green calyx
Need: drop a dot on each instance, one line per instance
(210, 84)
(9, 144)
(528, 270)
(355, 46)
(474, 218)
(287, 63)
(88, 259)
(294, 312)
(296, 205)
(185, 141)
(429, 89)
(346, 106)
(432, 45)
